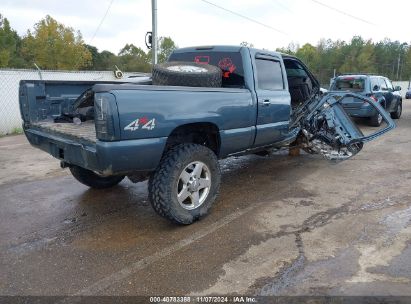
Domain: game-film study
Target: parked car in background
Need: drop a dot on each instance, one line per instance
(378, 88)
(408, 94)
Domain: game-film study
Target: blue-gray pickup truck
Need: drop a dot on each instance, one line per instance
(204, 104)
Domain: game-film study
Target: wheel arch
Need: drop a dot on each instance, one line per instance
(203, 133)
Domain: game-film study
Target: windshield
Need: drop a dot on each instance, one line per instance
(352, 84)
(230, 63)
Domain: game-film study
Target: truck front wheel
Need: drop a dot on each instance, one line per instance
(185, 184)
(93, 180)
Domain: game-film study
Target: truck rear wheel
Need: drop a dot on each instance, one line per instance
(188, 74)
(93, 180)
(185, 184)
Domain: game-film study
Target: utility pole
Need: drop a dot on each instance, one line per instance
(154, 30)
(398, 65)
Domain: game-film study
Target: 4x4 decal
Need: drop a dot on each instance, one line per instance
(143, 122)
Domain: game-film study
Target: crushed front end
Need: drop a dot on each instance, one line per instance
(326, 128)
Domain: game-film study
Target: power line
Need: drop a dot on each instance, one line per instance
(244, 17)
(101, 22)
(342, 12)
(283, 6)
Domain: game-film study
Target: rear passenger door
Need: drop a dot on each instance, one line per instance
(274, 102)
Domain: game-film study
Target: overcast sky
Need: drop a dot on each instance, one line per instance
(194, 22)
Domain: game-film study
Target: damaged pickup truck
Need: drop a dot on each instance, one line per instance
(204, 104)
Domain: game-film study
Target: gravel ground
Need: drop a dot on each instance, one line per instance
(281, 226)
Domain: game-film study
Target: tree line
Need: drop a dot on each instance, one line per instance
(54, 46)
(389, 58)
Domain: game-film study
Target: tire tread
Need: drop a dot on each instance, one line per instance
(159, 192)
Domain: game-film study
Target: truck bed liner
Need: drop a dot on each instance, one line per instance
(86, 130)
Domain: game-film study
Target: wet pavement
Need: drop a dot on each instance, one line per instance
(282, 225)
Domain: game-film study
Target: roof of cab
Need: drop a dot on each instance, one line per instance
(357, 75)
(225, 48)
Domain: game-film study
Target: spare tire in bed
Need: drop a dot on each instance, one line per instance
(188, 74)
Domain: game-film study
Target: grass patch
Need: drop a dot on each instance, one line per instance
(14, 131)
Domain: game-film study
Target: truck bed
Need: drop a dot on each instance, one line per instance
(85, 131)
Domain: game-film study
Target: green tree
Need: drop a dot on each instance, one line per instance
(133, 58)
(366, 58)
(101, 61)
(310, 55)
(95, 57)
(9, 46)
(406, 73)
(291, 49)
(353, 56)
(166, 46)
(52, 45)
(357, 55)
(106, 61)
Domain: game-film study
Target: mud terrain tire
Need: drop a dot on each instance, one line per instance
(166, 183)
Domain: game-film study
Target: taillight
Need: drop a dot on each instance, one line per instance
(103, 117)
(374, 98)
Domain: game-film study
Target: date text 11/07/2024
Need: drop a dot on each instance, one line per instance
(204, 299)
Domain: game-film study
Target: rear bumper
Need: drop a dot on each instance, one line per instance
(363, 111)
(107, 158)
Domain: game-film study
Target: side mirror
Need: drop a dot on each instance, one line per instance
(376, 88)
(397, 89)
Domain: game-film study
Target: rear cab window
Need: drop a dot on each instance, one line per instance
(230, 63)
(352, 84)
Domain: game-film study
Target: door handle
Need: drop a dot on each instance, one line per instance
(266, 102)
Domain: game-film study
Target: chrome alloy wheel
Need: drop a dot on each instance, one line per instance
(193, 185)
(187, 69)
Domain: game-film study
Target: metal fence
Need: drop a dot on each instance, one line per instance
(10, 119)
